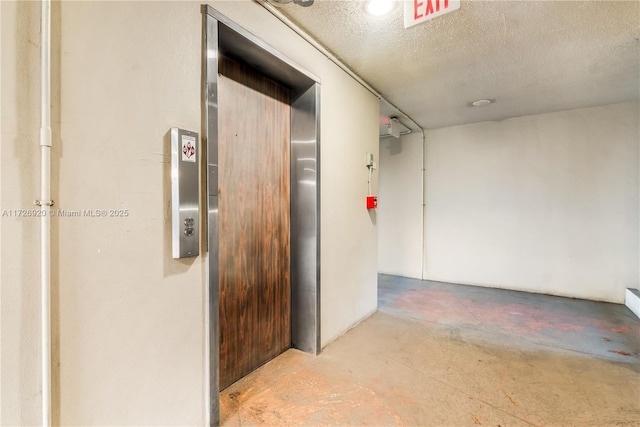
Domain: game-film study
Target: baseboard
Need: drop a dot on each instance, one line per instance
(344, 331)
(632, 300)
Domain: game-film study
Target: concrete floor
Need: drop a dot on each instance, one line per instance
(452, 355)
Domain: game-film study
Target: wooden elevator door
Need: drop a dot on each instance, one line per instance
(254, 216)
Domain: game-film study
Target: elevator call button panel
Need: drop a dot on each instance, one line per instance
(185, 208)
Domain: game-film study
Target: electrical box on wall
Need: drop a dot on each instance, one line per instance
(368, 160)
(394, 127)
(185, 209)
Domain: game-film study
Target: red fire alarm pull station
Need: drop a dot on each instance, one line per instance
(372, 201)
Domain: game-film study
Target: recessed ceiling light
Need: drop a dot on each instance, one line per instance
(481, 102)
(378, 7)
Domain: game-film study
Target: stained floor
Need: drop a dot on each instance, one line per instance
(450, 355)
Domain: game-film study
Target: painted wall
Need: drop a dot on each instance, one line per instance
(19, 235)
(129, 321)
(545, 203)
(400, 206)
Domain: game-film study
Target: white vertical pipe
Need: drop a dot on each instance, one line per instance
(45, 203)
(423, 203)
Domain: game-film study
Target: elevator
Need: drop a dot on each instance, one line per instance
(261, 132)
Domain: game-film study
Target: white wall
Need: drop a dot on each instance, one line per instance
(349, 236)
(129, 321)
(545, 203)
(19, 238)
(400, 206)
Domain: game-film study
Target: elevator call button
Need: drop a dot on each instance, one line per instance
(185, 200)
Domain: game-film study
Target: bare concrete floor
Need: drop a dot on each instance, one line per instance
(426, 360)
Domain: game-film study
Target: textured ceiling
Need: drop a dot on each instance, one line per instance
(530, 56)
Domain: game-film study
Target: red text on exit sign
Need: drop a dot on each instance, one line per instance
(417, 11)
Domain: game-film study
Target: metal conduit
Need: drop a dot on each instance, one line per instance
(45, 203)
(275, 12)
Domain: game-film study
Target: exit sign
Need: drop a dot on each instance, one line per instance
(417, 11)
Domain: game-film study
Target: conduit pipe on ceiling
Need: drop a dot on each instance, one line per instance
(45, 203)
(302, 33)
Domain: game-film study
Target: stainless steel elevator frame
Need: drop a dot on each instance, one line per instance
(221, 36)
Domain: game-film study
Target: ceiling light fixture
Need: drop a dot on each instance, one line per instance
(378, 7)
(303, 3)
(482, 102)
(280, 3)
